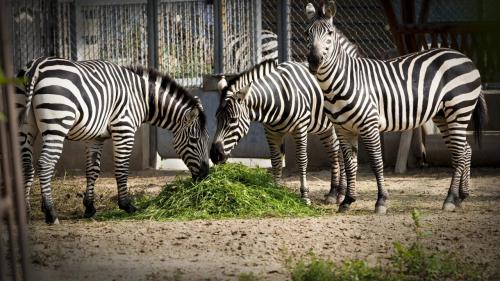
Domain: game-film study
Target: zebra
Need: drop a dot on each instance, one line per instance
(286, 98)
(96, 100)
(367, 96)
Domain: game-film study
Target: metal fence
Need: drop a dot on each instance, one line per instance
(362, 21)
(14, 258)
(186, 40)
(114, 32)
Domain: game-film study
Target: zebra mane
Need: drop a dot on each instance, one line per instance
(352, 49)
(154, 74)
(244, 78)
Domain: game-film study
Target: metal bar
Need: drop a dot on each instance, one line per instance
(17, 191)
(393, 24)
(5, 206)
(257, 21)
(152, 31)
(408, 16)
(284, 30)
(218, 38)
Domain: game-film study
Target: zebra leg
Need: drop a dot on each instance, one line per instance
(27, 138)
(275, 141)
(52, 146)
(93, 168)
(463, 190)
(458, 148)
(460, 179)
(123, 143)
(338, 180)
(301, 153)
(349, 147)
(371, 139)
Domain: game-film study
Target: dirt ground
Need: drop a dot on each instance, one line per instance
(85, 249)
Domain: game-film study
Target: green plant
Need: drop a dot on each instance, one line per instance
(8, 80)
(414, 262)
(247, 277)
(423, 264)
(230, 191)
(322, 270)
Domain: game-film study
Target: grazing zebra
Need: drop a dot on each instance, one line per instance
(367, 96)
(97, 100)
(286, 99)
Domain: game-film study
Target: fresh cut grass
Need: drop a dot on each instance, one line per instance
(230, 191)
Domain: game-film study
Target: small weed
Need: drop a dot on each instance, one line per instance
(247, 277)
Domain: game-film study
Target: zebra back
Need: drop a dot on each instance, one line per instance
(245, 78)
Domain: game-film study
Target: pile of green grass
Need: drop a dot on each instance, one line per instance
(230, 191)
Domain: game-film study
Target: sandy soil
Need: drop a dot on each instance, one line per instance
(81, 249)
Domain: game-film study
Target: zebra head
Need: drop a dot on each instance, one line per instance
(233, 121)
(191, 142)
(321, 34)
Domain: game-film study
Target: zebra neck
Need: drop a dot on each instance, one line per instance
(166, 106)
(339, 73)
(261, 106)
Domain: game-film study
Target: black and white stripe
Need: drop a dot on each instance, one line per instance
(285, 98)
(367, 96)
(96, 100)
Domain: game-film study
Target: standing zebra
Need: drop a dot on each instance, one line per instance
(286, 99)
(367, 96)
(97, 100)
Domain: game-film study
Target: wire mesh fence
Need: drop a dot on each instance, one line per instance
(32, 29)
(362, 21)
(186, 40)
(118, 31)
(115, 32)
(239, 35)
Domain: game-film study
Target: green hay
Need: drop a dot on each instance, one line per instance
(230, 191)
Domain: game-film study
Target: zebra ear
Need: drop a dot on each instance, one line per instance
(198, 102)
(222, 83)
(192, 115)
(310, 11)
(330, 9)
(243, 93)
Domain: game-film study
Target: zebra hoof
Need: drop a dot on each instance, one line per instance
(340, 198)
(50, 216)
(89, 212)
(306, 201)
(449, 207)
(129, 208)
(343, 208)
(380, 210)
(330, 199)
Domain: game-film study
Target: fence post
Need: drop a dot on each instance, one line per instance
(218, 37)
(284, 30)
(149, 130)
(12, 202)
(257, 54)
(73, 33)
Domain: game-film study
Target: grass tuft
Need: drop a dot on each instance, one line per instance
(230, 191)
(414, 262)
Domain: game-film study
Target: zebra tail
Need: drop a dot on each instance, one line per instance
(31, 78)
(480, 118)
